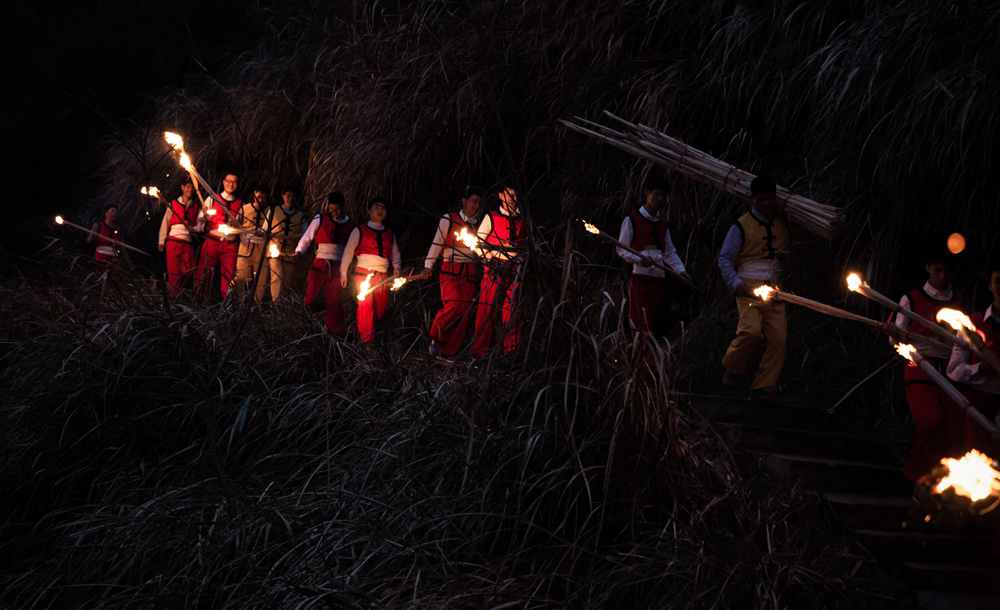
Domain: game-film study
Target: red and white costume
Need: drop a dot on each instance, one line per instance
(501, 283)
(376, 249)
(179, 220)
(458, 278)
(937, 423)
(221, 246)
(331, 237)
(647, 288)
(105, 252)
(980, 382)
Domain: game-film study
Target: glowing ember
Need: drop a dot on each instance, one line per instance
(468, 239)
(210, 211)
(974, 476)
(152, 191)
(590, 228)
(174, 140)
(906, 351)
(956, 243)
(226, 229)
(273, 250)
(59, 220)
(398, 283)
(854, 282)
(185, 162)
(765, 292)
(366, 287)
(955, 319)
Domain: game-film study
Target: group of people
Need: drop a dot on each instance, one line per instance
(253, 243)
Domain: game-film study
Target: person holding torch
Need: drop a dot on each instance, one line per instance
(646, 231)
(750, 257)
(179, 220)
(937, 427)
(218, 253)
(376, 249)
(458, 277)
(104, 233)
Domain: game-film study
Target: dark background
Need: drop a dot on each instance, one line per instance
(79, 72)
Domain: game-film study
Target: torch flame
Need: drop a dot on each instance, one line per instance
(59, 220)
(906, 351)
(398, 283)
(152, 191)
(185, 162)
(366, 287)
(174, 140)
(210, 211)
(765, 292)
(468, 239)
(974, 476)
(854, 282)
(590, 228)
(955, 319)
(225, 229)
(273, 250)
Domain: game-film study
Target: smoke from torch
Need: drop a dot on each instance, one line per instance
(973, 476)
(366, 287)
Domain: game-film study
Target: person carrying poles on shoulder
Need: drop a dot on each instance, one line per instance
(175, 238)
(219, 252)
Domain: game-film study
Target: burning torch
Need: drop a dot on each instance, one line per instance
(595, 230)
(59, 220)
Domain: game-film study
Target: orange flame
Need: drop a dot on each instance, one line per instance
(906, 351)
(59, 220)
(174, 140)
(956, 243)
(226, 229)
(765, 292)
(468, 239)
(955, 319)
(974, 476)
(366, 287)
(273, 250)
(854, 282)
(152, 191)
(590, 228)
(185, 162)
(398, 283)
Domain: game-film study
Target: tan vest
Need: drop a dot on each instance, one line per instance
(761, 241)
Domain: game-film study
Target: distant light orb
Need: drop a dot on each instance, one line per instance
(956, 243)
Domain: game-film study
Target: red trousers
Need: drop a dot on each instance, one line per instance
(938, 425)
(372, 309)
(180, 264)
(221, 255)
(459, 283)
(499, 284)
(324, 279)
(647, 303)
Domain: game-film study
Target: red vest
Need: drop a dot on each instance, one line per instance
(332, 232)
(219, 218)
(506, 231)
(377, 243)
(648, 233)
(921, 303)
(181, 214)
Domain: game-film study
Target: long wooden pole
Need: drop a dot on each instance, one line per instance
(62, 221)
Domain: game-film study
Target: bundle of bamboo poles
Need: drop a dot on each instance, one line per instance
(647, 143)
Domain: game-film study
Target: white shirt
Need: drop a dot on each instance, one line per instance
(961, 370)
(307, 238)
(460, 254)
(484, 230)
(372, 262)
(670, 258)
